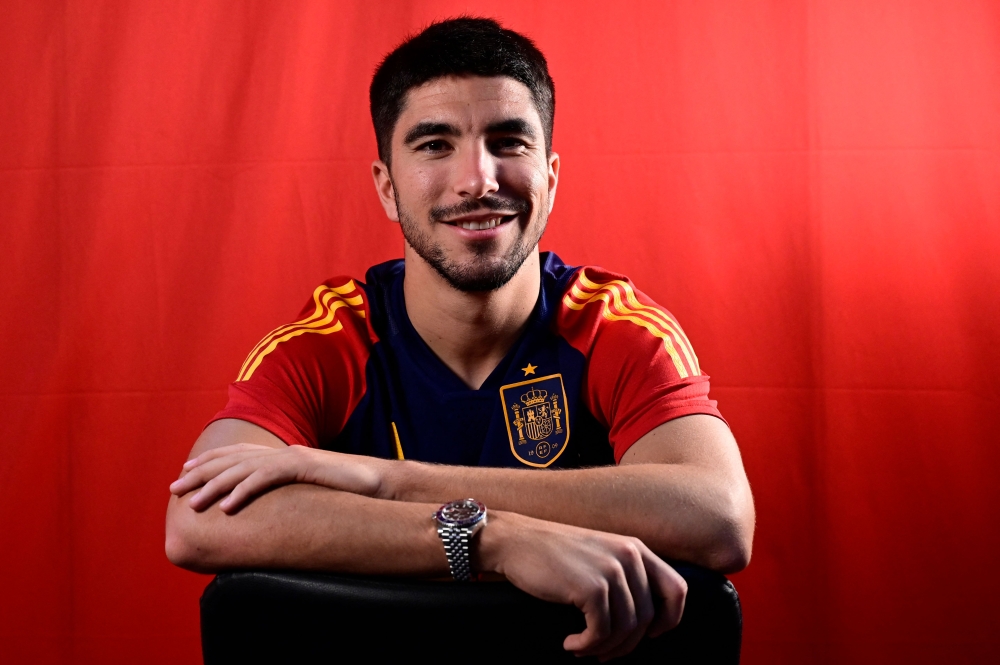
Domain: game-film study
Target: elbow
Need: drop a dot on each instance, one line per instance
(181, 552)
(178, 550)
(734, 535)
(733, 555)
(183, 546)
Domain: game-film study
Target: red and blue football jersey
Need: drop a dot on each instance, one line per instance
(598, 366)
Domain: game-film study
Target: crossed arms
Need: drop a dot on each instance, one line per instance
(587, 537)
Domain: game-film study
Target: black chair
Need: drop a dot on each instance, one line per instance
(296, 617)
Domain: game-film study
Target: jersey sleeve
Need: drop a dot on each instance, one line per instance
(641, 371)
(303, 380)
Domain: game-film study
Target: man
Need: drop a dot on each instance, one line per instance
(495, 363)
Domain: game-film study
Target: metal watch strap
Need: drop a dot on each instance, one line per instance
(456, 548)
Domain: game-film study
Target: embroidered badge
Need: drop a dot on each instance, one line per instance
(537, 419)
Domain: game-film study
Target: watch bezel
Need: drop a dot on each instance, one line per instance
(444, 518)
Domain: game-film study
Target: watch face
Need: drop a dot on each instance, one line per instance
(465, 512)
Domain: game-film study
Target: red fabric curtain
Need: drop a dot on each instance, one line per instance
(812, 187)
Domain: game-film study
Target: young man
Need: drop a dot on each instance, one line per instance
(497, 364)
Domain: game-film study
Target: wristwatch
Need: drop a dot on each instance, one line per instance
(457, 522)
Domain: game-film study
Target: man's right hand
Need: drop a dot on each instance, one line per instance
(624, 590)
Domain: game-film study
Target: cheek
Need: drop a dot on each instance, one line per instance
(420, 188)
(529, 181)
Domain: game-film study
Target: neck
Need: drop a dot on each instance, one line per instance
(470, 332)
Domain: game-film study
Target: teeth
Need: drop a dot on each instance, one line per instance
(479, 226)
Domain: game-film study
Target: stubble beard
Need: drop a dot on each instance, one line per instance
(486, 271)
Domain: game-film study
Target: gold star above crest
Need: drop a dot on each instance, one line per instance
(530, 369)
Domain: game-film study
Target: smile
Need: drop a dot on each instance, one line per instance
(481, 224)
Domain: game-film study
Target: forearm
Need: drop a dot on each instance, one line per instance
(304, 526)
(680, 489)
(680, 511)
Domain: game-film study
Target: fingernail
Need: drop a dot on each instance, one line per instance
(190, 463)
(174, 485)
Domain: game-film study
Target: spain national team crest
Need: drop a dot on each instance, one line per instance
(537, 419)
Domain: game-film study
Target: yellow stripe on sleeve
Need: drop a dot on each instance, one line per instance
(321, 297)
(643, 323)
(338, 326)
(328, 300)
(399, 446)
(668, 323)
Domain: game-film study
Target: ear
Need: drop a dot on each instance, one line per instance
(553, 178)
(384, 187)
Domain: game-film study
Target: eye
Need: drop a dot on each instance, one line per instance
(434, 146)
(509, 144)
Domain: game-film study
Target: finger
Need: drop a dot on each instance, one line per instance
(642, 599)
(222, 451)
(198, 477)
(216, 453)
(211, 468)
(253, 485)
(207, 470)
(596, 612)
(223, 483)
(670, 590)
(623, 617)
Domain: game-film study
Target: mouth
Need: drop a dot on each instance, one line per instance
(481, 224)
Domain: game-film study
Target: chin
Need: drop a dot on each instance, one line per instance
(480, 275)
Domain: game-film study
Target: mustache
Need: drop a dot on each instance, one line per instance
(469, 206)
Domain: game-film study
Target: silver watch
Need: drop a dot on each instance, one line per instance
(457, 522)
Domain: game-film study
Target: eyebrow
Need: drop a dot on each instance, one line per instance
(422, 129)
(512, 126)
(509, 126)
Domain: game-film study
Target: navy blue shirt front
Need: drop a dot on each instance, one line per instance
(597, 366)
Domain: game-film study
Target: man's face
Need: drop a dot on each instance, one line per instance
(470, 183)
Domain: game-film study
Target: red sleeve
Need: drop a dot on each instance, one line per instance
(303, 380)
(641, 370)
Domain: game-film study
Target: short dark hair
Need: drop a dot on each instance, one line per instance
(463, 46)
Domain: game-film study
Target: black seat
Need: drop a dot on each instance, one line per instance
(297, 617)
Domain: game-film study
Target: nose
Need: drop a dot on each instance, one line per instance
(477, 173)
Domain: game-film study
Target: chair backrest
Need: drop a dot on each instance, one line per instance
(297, 617)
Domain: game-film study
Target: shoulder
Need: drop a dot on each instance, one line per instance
(303, 379)
(641, 371)
(335, 321)
(603, 310)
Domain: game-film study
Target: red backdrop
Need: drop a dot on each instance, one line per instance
(812, 187)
